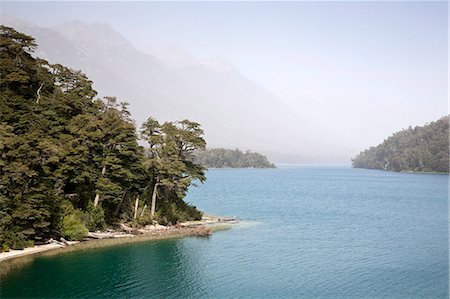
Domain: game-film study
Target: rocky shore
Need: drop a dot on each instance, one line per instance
(127, 234)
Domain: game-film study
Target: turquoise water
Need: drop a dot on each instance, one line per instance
(311, 232)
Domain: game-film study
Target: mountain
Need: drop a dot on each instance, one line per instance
(168, 83)
(423, 148)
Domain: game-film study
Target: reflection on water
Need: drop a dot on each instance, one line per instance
(131, 270)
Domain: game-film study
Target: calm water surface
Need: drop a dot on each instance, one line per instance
(327, 232)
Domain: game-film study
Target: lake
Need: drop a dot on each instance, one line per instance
(307, 231)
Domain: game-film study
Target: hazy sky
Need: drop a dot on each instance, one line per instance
(360, 70)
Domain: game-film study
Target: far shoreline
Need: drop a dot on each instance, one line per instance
(404, 171)
(228, 168)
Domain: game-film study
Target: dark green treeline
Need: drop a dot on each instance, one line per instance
(423, 148)
(70, 162)
(222, 158)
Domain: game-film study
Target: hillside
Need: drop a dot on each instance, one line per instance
(423, 148)
(172, 84)
(226, 158)
(205, 91)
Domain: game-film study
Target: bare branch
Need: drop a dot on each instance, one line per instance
(39, 93)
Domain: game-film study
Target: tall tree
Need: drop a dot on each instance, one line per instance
(120, 156)
(29, 155)
(170, 157)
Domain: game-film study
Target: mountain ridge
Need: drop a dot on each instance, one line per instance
(234, 110)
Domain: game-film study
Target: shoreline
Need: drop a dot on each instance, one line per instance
(404, 171)
(205, 227)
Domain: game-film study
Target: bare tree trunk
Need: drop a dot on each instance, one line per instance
(136, 207)
(97, 196)
(96, 199)
(39, 93)
(155, 190)
(116, 211)
(143, 210)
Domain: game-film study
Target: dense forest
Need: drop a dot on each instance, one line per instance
(70, 162)
(423, 148)
(222, 158)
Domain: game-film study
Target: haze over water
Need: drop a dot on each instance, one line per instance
(309, 231)
(300, 81)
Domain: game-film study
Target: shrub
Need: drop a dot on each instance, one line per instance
(73, 227)
(145, 220)
(67, 207)
(11, 235)
(171, 213)
(94, 218)
(14, 239)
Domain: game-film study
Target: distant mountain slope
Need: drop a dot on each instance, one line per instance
(205, 92)
(169, 84)
(226, 158)
(423, 148)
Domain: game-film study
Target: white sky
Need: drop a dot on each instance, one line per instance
(358, 70)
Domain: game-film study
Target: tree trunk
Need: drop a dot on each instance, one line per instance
(97, 196)
(155, 190)
(116, 211)
(96, 199)
(39, 93)
(143, 210)
(136, 207)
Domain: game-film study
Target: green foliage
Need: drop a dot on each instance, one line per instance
(14, 238)
(414, 149)
(143, 220)
(170, 163)
(5, 248)
(225, 158)
(70, 162)
(73, 227)
(18, 71)
(171, 213)
(94, 218)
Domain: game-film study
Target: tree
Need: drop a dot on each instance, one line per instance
(423, 148)
(170, 159)
(29, 155)
(18, 68)
(120, 157)
(70, 162)
(220, 157)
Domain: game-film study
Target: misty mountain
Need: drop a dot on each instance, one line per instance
(169, 83)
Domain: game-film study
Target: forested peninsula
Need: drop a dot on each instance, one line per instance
(422, 149)
(71, 162)
(226, 158)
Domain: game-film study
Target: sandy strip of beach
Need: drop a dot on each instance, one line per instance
(17, 258)
(195, 228)
(28, 251)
